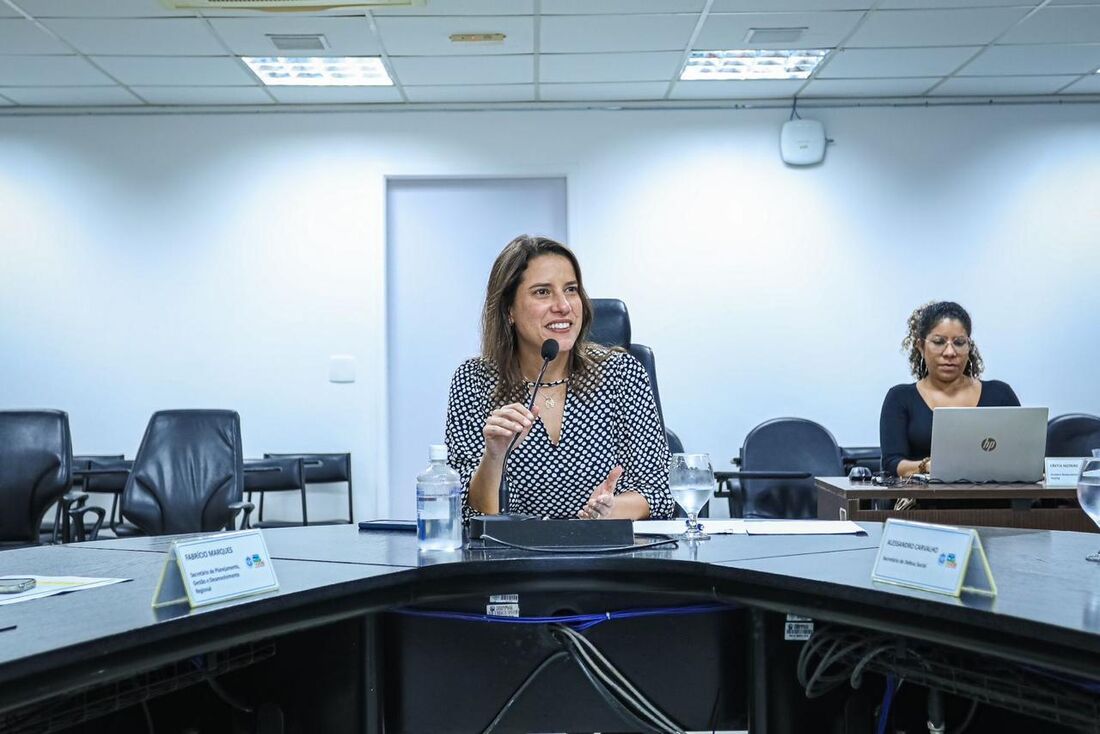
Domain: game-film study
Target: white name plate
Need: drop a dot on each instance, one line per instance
(216, 568)
(1062, 472)
(938, 558)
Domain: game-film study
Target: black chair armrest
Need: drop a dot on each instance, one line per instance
(78, 531)
(766, 474)
(74, 499)
(730, 488)
(236, 508)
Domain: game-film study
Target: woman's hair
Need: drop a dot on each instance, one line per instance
(498, 337)
(921, 323)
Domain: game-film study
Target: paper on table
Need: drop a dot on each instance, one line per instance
(50, 585)
(675, 527)
(802, 527)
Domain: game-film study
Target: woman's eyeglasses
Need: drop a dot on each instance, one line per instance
(939, 344)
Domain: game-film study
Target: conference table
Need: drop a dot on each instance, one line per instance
(1007, 505)
(336, 649)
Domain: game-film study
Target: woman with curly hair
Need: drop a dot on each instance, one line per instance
(592, 447)
(947, 366)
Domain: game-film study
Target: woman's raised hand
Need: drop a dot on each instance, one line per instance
(503, 423)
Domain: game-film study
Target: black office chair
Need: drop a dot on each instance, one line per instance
(325, 469)
(611, 327)
(792, 445)
(36, 456)
(275, 475)
(188, 474)
(1073, 434)
(105, 474)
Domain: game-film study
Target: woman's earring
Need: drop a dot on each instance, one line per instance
(923, 370)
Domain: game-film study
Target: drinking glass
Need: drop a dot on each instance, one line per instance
(691, 481)
(1088, 494)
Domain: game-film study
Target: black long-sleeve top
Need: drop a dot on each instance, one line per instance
(905, 425)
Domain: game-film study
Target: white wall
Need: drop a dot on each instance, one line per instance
(218, 260)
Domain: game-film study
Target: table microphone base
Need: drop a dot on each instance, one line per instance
(533, 532)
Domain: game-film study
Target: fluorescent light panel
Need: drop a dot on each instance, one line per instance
(751, 64)
(320, 71)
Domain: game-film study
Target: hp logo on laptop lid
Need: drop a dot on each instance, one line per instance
(989, 444)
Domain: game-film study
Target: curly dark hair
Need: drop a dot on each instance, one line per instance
(921, 322)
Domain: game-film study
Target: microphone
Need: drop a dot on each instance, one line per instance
(550, 349)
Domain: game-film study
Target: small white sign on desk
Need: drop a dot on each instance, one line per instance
(1062, 472)
(216, 568)
(938, 558)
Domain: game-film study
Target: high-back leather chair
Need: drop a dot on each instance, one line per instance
(787, 444)
(188, 474)
(611, 327)
(1073, 434)
(36, 457)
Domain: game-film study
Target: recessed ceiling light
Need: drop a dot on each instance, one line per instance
(751, 64)
(320, 71)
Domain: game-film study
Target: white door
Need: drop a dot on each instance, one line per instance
(442, 237)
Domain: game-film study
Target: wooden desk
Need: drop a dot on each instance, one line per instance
(838, 498)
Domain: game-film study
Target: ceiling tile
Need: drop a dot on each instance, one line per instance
(1011, 60)
(626, 91)
(431, 36)
(249, 36)
(934, 27)
(751, 6)
(755, 89)
(463, 7)
(907, 87)
(1088, 85)
(152, 36)
(582, 7)
(438, 70)
(335, 95)
(99, 9)
(50, 71)
(823, 30)
(69, 96)
(203, 95)
(981, 86)
(175, 70)
(599, 33)
(1058, 25)
(928, 4)
(23, 37)
(5, 102)
(628, 67)
(473, 93)
(874, 63)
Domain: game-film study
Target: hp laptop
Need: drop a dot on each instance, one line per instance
(988, 444)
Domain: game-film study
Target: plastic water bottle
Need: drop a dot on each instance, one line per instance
(438, 504)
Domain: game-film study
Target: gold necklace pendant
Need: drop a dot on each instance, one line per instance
(549, 402)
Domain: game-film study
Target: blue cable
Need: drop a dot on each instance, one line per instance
(884, 710)
(579, 622)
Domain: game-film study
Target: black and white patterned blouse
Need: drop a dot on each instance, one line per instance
(609, 420)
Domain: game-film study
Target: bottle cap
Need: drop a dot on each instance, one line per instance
(437, 452)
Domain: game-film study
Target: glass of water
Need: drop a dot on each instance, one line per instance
(1088, 494)
(691, 481)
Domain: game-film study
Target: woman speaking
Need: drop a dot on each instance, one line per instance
(592, 445)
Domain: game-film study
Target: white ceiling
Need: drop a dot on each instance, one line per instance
(137, 53)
